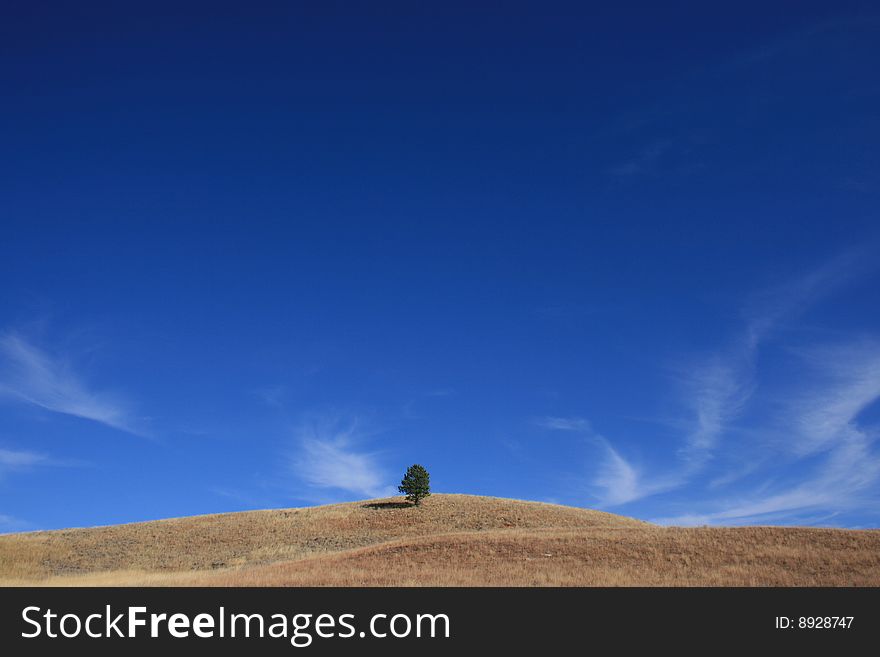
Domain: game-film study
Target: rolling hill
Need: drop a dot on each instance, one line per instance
(451, 540)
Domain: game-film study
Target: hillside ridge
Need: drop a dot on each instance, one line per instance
(451, 539)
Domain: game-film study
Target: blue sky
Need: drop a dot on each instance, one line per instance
(622, 257)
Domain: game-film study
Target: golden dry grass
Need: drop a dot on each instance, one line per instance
(452, 540)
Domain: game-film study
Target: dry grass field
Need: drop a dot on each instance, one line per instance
(451, 540)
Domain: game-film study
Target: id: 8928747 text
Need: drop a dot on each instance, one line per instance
(814, 622)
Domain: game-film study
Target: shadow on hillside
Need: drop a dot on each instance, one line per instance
(387, 505)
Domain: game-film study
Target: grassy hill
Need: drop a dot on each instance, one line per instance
(449, 540)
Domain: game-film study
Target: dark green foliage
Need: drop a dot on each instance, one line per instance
(416, 484)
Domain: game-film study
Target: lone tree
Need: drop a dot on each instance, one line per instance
(416, 484)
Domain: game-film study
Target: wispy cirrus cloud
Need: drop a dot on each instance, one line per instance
(716, 392)
(805, 454)
(840, 465)
(838, 485)
(852, 383)
(15, 460)
(771, 308)
(617, 480)
(31, 375)
(578, 424)
(11, 459)
(329, 456)
(716, 389)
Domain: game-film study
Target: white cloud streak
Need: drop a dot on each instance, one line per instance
(328, 458)
(718, 390)
(854, 384)
(819, 424)
(10, 459)
(30, 375)
(823, 423)
(618, 480)
(767, 310)
(565, 424)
